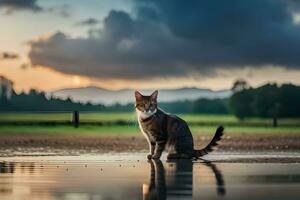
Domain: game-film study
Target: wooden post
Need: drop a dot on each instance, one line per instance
(76, 118)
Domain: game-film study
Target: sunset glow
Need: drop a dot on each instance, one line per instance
(67, 30)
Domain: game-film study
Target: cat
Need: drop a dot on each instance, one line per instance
(165, 131)
(175, 179)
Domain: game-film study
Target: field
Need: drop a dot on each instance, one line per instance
(107, 149)
(125, 124)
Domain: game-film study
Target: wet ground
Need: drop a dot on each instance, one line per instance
(240, 175)
(16, 145)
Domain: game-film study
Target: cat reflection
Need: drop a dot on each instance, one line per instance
(11, 167)
(176, 181)
(7, 168)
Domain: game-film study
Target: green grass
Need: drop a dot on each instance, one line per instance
(232, 120)
(108, 117)
(66, 116)
(69, 130)
(198, 124)
(23, 117)
(133, 130)
(131, 117)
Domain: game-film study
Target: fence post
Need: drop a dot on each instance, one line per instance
(75, 118)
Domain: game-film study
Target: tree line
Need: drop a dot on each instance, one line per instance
(38, 101)
(270, 100)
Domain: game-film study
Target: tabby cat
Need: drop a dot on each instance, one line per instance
(165, 131)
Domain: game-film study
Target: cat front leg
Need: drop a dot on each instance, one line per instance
(152, 148)
(159, 148)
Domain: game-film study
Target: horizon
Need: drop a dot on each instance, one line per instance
(143, 89)
(54, 45)
(168, 88)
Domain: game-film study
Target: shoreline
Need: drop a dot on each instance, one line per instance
(84, 144)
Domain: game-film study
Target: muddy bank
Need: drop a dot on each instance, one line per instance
(68, 145)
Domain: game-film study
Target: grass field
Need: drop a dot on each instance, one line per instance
(131, 117)
(199, 124)
(66, 116)
(133, 130)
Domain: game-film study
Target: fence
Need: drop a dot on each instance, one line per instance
(72, 118)
(80, 118)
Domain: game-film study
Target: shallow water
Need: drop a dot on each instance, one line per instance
(130, 176)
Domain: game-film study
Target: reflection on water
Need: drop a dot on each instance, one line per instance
(176, 180)
(133, 177)
(7, 167)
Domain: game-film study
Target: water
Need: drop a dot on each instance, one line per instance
(130, 176)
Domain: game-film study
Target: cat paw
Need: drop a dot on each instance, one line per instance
(149, 156)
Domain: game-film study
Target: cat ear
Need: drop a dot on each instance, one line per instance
(138, 96)
(154, 95)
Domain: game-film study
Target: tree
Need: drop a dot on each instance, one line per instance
(269, 100)
(240, 85)
(240, 103)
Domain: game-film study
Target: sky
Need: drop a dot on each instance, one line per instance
(50, 45)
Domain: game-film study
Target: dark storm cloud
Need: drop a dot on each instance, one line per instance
(294, 5)
(123, 49)
(234, 32)
(178, 38)
(88, 22)
(13, 5)
(8, 56)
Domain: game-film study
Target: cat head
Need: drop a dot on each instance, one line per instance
(146, 105)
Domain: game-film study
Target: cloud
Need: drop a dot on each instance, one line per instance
(8, 56)
(294, 5)
(175, 38)
(63, 10)
(88, 22)
(13, 5)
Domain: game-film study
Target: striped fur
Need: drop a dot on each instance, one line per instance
(214, 142)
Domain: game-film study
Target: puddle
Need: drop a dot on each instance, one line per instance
(130, 176)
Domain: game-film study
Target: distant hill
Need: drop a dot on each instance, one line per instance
(108, 97)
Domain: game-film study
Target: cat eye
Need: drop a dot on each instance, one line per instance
(138, 105)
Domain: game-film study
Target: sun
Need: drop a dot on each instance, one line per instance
(76, 80)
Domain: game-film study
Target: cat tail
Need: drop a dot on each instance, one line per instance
(214, 142)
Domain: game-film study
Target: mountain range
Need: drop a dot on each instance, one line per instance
(97, 95)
